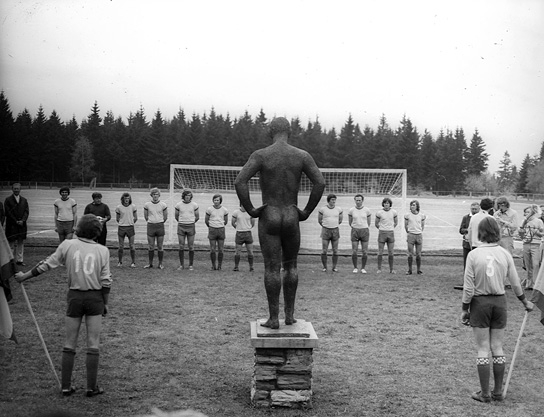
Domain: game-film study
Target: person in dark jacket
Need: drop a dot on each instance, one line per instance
(17, 211)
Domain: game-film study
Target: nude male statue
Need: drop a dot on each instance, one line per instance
(281, 166)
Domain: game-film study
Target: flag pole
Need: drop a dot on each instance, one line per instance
(514, 355)
(40, 334)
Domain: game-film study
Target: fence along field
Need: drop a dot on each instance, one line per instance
(441, 229)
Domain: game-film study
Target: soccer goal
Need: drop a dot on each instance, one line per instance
(206, 180)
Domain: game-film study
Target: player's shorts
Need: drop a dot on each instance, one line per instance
(216, 233)
(414, 239)
(330, 234)
(65, 228)
(386, 236)
(243, 237)
(155, 229)
(488, 311)
(127, 231)
(186, 229)
(84, 303)
(362, 235)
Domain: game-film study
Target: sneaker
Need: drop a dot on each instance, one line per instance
(497, 397)
(133, 265)
(119, 264)
(235, 269)
(68, 392)
(420, 272)
(363, 271)
(392, 271)
(379, 271)
(324, 270)
(161, 266)
(408, 272)
(355, 270)
(191, 268)
(180, 268)
(148, 266)
(482, 398)
(93, 392)
(335, 270)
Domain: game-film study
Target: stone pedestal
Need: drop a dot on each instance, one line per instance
(282, 373)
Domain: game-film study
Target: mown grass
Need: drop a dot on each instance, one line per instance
(388, 344)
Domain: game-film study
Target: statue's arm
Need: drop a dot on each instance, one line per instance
(241, 184)
(318, 186)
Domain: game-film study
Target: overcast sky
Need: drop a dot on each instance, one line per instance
(444, 64)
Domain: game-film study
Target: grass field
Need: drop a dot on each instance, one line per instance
(389, 345)
(441, 231)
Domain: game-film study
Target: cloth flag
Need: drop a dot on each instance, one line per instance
(7, 270)
(538, 292)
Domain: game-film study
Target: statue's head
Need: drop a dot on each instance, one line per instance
(279, 125)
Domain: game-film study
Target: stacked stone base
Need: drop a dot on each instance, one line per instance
(282, 378)
(283, 361)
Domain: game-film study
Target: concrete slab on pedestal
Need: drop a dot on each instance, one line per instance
(300, 335)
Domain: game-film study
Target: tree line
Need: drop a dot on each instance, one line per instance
(136, 150)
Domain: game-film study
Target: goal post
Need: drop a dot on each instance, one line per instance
(206, 180)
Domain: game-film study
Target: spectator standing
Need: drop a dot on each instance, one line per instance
(507, 219)
(186, 214)
(155, 214)
(463, 230)
(531, 232)
(17, 212)
(216, 218)
(126, 216)
(386, 222)
(243, 223)
(359, 219)
(102, 212)
(65, 215)
(330, 218)
(414, 223)
(486, 204)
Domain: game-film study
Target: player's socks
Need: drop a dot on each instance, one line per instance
(212, 258)
(181, 254)
(151, 255)
(250, 262)
(418, 262)
(499, 365)
(91, 364)
(354, 260)
(483, 373)
(68, 357)
(219, 260)
(324, 260)
(133, 255)
(334, 261)
(380, 259)
(390, 259)
(364, 258)
(410, 262)
(236, 261)
(120, 255)
(161, 256)
(191, 257)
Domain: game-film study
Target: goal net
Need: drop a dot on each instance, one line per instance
(206, 180)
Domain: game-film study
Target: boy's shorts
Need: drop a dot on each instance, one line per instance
(186, 229)
(330, 234)
(414, 239)
(84, 303)
(362, 235)
(216, 233)
(488, 311)
(155, 229)
(127, 231)
(386, 236)
(65, 228)
(243, 237)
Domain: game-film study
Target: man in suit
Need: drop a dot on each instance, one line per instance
(17, 211)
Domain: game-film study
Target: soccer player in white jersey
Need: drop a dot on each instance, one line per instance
(243, 223)
(65, 214)
(386, 221)
(186, 214)
(330, 217)
(89, 282)
(414, 223)
(155, 214)
(216, 218)
(359, 218)
(126, 216)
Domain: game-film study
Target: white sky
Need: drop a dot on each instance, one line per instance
(445, 64)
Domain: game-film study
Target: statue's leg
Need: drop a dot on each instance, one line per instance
(271, 250)
(290, 249)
